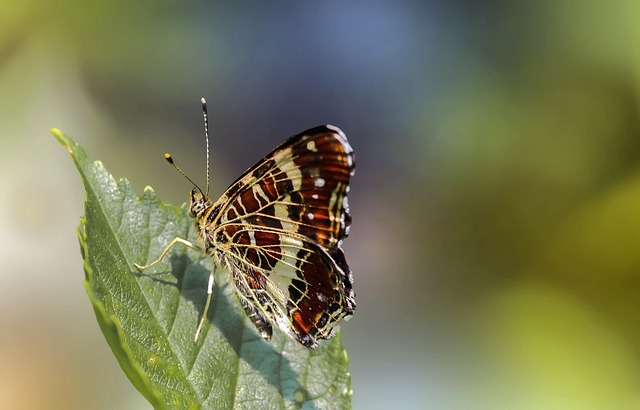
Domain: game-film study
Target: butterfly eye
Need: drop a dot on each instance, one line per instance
(198, 203)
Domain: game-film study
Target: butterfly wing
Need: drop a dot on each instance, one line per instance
(301, 187)
(291, 281)
(280, 227)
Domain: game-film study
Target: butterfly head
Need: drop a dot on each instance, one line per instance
(199, 202)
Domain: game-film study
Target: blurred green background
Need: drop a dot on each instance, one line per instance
(496, 204)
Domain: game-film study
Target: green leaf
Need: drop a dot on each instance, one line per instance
(149, 319)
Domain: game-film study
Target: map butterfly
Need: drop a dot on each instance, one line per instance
(279, 229)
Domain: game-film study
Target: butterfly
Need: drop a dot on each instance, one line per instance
(278, 229)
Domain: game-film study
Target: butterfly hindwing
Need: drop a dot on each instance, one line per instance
(295, 282)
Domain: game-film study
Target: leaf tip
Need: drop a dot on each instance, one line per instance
(64, 140)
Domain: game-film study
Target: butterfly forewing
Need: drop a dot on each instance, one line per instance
(279, 228)
(300, 187)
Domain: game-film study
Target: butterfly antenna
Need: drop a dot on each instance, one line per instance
(205, 115)
(169, 159)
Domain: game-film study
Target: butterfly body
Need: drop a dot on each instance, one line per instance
(279, 228)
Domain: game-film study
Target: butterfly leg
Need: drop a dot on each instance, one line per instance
(164, 252)
(206, 306)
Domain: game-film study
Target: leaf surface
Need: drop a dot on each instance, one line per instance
(149, 318)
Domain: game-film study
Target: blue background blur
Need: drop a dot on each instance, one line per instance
(496, 203)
